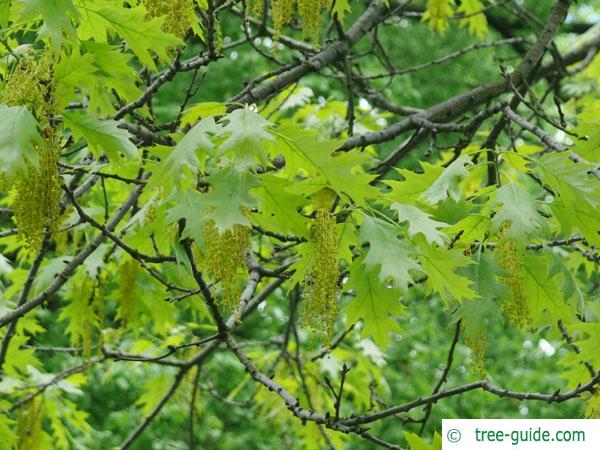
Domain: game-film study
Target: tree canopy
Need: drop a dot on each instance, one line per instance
(301, 224)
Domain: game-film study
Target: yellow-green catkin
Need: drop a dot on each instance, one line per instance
(30, 84)
(89, 300)
(257, 7)
(99, 301)
(310, 12)
(151, 212)
(226, 263)
(478, 346)
(37, 199)
(320, 309)
(510, 259)
(127, 293)
(282, 12)
(30, 434)
(218, 36)
(178, 14)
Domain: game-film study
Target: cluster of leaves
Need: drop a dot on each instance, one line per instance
(229, 198)
(309, 12)
(438, 12)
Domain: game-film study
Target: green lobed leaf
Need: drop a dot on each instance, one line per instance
(278, 208)
(472, 228)
(202, 110)
(340, 8)
(245, 132)
(374, 303)
(578, 192)
(113, 73)
(305, 150)
(518, 208)
(446, 186)
(189, 206)
(56, 15)
(414, 185)
(416, 442)
(153, 391)
(71, 72)
(18, 139)
(227, 203)
(230, 199)
(475, 19)
(185, 159)
(545, 297)
(389, 257)
(101, 19)
(102, 136)
(420, 222)
(568, 179)
(440, 265)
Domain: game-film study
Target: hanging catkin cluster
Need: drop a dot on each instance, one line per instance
(30, 433)
(320, 309)
(178, 14)
(226, 260)
(30, 84)
(282, 13)
(310, 14)
(36, 203)
(511, 261)
(37, 200)
(151, 212)
(128, 272)
(478, 345)
(256, 7)
(88, 312)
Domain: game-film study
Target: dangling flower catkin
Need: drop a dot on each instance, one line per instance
(478, 345)
(128, 272)
(511, 261)
(151, 212)
(257, 7)
(310, 13)
(84, 312)
(218, 36)
(282, 11)
(30, 433)
(320, 309)
(36, 203)
(226, 260)
(178, 14)
(30, 84)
